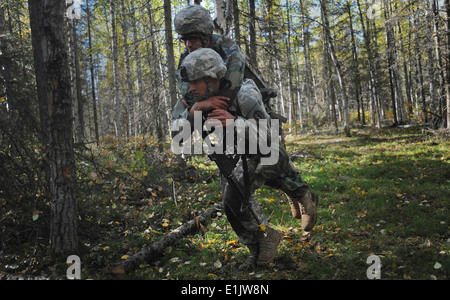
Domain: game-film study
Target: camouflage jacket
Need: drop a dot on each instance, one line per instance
(234, 59)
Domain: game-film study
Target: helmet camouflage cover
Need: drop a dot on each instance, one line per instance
(203, 62)
(192, 20)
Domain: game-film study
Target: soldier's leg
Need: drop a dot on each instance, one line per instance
(262, 245)
(286, 177)
(243, 222)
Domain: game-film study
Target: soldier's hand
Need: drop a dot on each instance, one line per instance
(221, 116)
(215, 102)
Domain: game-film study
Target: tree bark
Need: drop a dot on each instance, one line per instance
(91, 68)
(357, 78)
(170, 55)
(115, 90)
(447, 27)
(252, 33)
(130, 89)
(47, 28)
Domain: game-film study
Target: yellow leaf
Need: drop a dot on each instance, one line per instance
(124, 257)
(271, 200)
(165, 224)
(361, 214)
(262, 227)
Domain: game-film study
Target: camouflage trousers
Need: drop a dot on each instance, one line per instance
(283, 176)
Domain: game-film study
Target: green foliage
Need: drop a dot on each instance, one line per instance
(383, 193)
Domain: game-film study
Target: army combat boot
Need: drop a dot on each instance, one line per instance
(250, 263)
(308, 206)
(295, 207)
(268, 245)
(305, 208)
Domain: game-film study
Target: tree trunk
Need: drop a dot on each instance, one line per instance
(305, 35)
(170, 55)
(419, 71)
(237, 30)
(75, 81)
(373, 80)
(48, 29)
(430, 66)
(252, 33)
(397, 104)
(437, 47)
(289, 66)
(115, 89)
(139, 82)
(129, 94)
(91, 68)
(337, 65)
(447, 27)
(357, 79)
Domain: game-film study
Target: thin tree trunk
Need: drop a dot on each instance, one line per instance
(170, 55)
(236, 18)
(115, 91)
(289, 65)
(337, 65)
(139, 82)
(447, 27)
(357, 79)
(91, 68)
(252, 33)
(430, 67)
(129, 94)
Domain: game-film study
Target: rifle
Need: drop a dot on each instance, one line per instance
(226, 164)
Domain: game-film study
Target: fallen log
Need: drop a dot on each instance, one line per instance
(154, 250)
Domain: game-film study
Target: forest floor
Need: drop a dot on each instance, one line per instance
(382, 192)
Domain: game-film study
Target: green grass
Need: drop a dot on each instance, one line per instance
(384, 193)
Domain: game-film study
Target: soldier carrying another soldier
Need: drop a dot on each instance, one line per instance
(205, 72)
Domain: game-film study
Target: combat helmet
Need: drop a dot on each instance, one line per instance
(203, 63)
(194, 21)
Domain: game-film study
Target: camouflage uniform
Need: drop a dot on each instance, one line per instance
(282, 175)
(248, 105)
(234, 60)
(195, 21)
